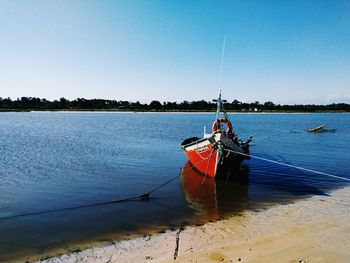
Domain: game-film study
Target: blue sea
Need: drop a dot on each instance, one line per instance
(54, 160)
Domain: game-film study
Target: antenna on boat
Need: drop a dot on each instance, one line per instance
(222, 65)
(219, 101)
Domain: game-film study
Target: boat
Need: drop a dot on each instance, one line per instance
(320, 129)
(317, 129)
(220, 151)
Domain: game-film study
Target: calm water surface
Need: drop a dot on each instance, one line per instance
(57, 160)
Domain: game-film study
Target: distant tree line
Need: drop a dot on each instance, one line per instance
(32, 103)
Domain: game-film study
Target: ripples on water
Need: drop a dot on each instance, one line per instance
(56, 160)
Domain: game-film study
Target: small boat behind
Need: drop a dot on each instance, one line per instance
(317, 129)
(320, 129)
(219, 152)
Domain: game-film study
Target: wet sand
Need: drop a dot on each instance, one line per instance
(316, 229)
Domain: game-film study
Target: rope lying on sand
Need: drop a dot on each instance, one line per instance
(289, 165)
(142, 197)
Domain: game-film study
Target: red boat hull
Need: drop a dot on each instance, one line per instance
(204, 154)
(204, 159)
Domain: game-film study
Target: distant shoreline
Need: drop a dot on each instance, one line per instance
(168, 112)
(81, 104)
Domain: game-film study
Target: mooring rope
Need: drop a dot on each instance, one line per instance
(289, 165)
(142, 197)
(136, 198)
(182, 172)
(206, 171)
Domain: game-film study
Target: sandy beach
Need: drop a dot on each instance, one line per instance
(316, 229)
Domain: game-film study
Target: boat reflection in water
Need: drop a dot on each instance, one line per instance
(215, 199)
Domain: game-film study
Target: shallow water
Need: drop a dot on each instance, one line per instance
(56, 160)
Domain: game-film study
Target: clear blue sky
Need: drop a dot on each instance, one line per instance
(283, 51)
